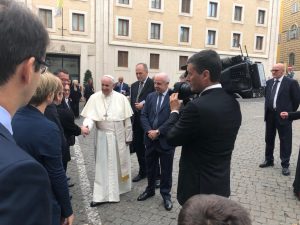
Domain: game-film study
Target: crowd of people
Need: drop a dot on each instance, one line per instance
(37, 129)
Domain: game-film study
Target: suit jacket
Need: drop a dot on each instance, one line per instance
(88, 91)
(206, 129)
(148, 88)
(288, 97)
(67, 119)
(25, 194)
(43, 143)
(125, 88)
(148, 115)
(52, 115)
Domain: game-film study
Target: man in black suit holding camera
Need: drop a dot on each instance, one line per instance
(206, 128)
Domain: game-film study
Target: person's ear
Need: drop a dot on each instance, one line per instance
(26, 69)
(206, 74)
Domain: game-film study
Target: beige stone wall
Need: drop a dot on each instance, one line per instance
(74, 5)
(140, 16)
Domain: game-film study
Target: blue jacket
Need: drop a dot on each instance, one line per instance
(25, 195)
(148, 116)
(41, 138)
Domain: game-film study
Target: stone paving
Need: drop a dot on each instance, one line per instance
(266, 193)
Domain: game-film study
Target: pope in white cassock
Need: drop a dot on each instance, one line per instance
(110, 112)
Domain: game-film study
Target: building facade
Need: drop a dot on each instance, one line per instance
(112, 36)
(164, 33)
(289, 42)
(72, 34)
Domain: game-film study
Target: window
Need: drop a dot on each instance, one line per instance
(126, 2)
(212, 9)
(293, 33)
(211, 37)
(186, 6)
(236, 38)
(122, 59)
(123, 27)
(292, 58)
(154, 61)
(261, 16)
(46, 17)
(259, 43)
(295, 7)
(182, 61)
(156, 4)
(155, 31)
(238, 12)
(78, 22)
(184, 34)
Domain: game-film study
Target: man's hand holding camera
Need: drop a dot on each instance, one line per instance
(175, 103)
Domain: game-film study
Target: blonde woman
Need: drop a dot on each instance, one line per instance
(41, 138)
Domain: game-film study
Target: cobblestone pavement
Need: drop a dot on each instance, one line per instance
(264, 192)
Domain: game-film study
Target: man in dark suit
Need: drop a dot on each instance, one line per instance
(88, 90)
(122, 87)
(154, 115)
(25, 194)
(282, 94)
(206, 129)
(71, 129)
(139, 91)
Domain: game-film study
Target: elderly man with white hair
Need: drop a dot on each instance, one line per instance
(110, 111)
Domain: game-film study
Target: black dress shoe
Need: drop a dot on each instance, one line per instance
(168, 204)
(157, 183)
(70, 184)
(285, 171)
(94, 204)
(138, 178)
(266, 164)
(145, 195)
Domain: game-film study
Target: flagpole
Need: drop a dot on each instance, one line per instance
(62, 21)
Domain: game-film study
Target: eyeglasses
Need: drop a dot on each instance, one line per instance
(43, 65)
(274, 71)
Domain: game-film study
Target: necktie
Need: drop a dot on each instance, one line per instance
(158, 106)
(273, 92)
(141, 84)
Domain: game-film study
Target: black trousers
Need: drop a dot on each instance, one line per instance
(285, 137)
(138, 143)
(154, 155)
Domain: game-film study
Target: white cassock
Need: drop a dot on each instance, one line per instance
(111, 115)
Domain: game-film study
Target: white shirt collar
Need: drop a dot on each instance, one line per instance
(5, 119)
(212, 87)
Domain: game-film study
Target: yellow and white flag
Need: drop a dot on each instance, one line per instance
(59, 6)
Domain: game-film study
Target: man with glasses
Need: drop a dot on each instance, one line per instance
(25, 194)
(281, 94)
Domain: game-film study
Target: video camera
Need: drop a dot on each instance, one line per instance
(239, 76)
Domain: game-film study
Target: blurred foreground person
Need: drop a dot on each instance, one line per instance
(25, 195)
(43, 142)
(110, 111)
(212, 210)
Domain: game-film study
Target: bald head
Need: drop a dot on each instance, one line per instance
(161, 82)
(277, 70)
(107, 84)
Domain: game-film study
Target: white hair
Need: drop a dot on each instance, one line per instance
(164, 75)
(110, 76)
